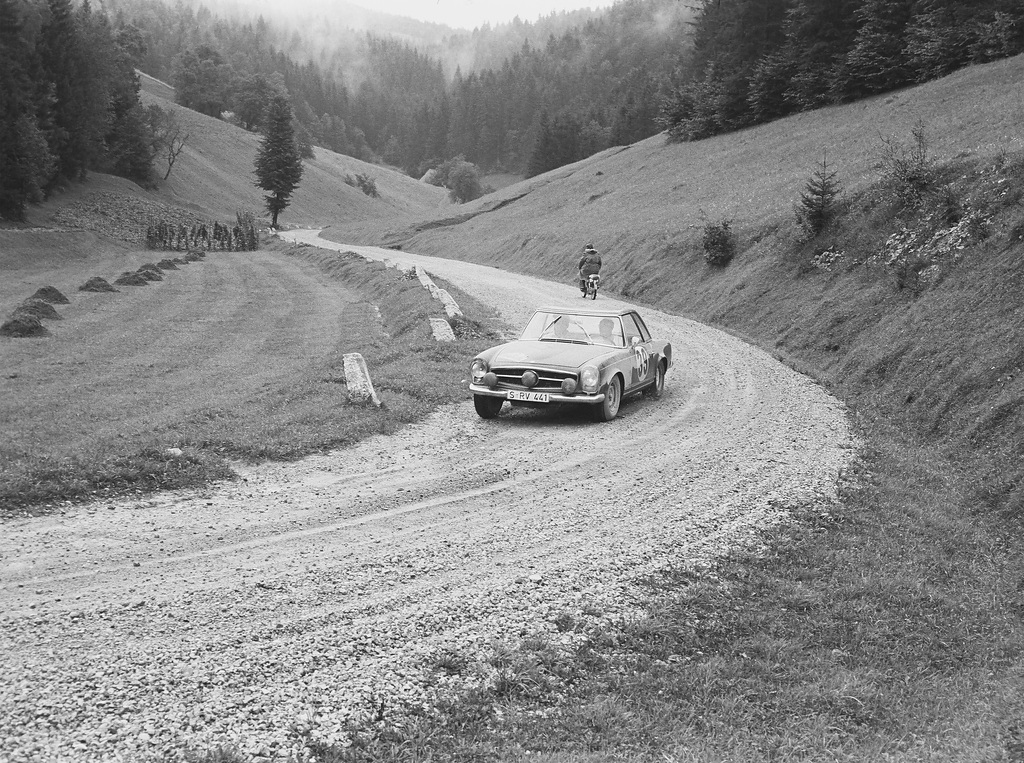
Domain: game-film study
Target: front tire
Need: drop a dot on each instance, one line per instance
(608, 409)
(487, 407)
(658, 387)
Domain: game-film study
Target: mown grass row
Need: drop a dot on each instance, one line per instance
(306, 412)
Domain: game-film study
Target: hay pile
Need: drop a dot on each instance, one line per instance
(37, 308)
(27, 318)
(96, 284)
(52, 295)
(23, 325)
(131, 278)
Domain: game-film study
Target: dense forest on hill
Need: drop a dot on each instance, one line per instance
(69, 101)
(522, 105)
(758, 60)
(382, 98)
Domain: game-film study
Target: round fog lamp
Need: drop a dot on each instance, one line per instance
(491, 379)
(569, 386)
(530, 379)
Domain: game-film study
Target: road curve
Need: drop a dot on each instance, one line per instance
(315, 594)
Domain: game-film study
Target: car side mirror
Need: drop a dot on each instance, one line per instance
(634, 341)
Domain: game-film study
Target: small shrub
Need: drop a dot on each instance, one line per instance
(364, 182)
(450, 662)
(719, 243)
(908, 171)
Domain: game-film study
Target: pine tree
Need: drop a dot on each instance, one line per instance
(876, 62)
(543, 156)
(59, 52)
(818, 201)
(938, 38)
(26, 163)
(817, 35)
(278, 163)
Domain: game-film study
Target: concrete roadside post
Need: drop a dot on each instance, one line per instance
(442, 330)
(357, 378)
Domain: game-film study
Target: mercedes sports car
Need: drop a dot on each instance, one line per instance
(572, 356)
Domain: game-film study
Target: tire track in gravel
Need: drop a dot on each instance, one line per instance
(323, 588)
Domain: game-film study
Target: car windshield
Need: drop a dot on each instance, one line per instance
(576, 329)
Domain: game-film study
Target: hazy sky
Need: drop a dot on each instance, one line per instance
(473, 13)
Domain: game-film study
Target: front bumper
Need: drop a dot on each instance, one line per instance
(553, 397)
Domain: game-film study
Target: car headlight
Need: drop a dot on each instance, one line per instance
(477, 370)
(588, 379)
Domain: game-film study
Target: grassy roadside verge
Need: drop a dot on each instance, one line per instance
(885, 627)
(297, 408)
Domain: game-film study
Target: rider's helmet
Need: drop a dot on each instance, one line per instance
(589, 248)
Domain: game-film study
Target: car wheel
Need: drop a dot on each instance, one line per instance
(487, 407)
(658, 387)
(609, 408)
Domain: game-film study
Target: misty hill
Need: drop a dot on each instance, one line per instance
(213, 176)
(319, 27)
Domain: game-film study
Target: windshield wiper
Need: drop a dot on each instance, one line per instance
(557, 339)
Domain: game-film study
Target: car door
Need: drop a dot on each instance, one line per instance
(638, 339)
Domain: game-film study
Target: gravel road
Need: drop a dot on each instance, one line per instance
(310, 595)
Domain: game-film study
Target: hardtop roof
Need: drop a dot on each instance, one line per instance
(576, 310)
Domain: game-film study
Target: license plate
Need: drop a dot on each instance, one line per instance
(528, 397)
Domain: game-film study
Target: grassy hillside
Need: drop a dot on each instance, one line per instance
(213, 179)
(947, 359)
(215, 172)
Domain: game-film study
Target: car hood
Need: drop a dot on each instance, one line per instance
(535, 353)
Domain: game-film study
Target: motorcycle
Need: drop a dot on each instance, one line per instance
(591, 285)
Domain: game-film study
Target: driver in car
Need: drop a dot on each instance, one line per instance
(606, 329)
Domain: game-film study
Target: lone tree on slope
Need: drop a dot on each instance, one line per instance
(278, 163)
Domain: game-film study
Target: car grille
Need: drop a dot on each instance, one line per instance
(550, 381)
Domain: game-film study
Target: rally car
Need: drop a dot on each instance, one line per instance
(572, 356)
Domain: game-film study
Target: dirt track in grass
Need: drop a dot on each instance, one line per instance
(319, 591)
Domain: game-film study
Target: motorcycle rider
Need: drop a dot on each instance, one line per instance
(590, 264)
